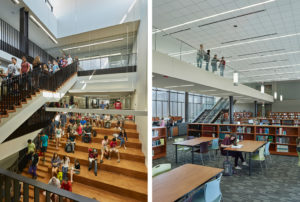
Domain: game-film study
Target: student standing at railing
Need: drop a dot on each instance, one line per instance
(222, 66)
(200, 56)
(207, 59)
(37, 68)
(25, 66)
(70, 60)
(13, 68)
(214, 63)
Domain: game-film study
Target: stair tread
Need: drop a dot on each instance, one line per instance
(131, 165)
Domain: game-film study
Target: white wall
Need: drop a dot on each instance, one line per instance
(286, 106)
(244, 107)
(140, 98)
(78, 16)
(43, 12)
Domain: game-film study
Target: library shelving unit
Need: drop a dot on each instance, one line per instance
(159, 142)
(276, 121)
(242, 115)
(284, 115)
(282, 138)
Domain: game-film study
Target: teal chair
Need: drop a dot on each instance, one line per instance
(214, 147)
(267, 151)
(260, 157)
(160, 169)
(210, 193)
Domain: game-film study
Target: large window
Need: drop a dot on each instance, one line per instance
(172, 103)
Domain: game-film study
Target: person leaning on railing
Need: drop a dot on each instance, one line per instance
(37, 68)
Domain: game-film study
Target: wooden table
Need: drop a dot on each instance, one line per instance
(192, 143)
(249, 146)
(172, 185)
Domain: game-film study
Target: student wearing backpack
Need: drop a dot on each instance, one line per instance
(33, 165)
(113, 148)
(65, 162)
(55, 162)
(228, 141)
(93, 157)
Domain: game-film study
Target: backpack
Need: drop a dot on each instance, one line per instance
(59, 175)
(228, 171)
(94, 133)
(107, 124)
(86, 139)
(68, 148)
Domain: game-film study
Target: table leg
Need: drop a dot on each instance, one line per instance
(176, 152)
(250, 164)
(192, 155)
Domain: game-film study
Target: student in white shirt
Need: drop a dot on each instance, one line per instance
(13, 69)
(70, 60)
(65, 162)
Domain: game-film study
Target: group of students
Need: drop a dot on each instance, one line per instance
(205, 56)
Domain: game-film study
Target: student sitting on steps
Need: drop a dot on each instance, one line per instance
(113, 148)
(55, 162)
(122, 136)
(104, 149)
(65, 162)
(75, 169)
(93, 157)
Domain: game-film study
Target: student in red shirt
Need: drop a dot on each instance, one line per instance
(25, 66)
(66, 185)
(222, 66)
(227, 142)
(113, 148)
(118, 104)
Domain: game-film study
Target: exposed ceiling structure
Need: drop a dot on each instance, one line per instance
(260, 39)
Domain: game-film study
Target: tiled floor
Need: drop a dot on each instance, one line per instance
(279, 182)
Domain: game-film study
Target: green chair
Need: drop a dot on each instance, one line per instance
(260, 156)
(181, 148)
(299, 159)
(160, 169)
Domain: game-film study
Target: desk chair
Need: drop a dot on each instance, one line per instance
(181, 148)
(203, 149)
(214, 146)
(160, 169)
(260, 156)
(267, 151)
(210, 193)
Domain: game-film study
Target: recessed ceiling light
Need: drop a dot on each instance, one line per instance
(216, 15)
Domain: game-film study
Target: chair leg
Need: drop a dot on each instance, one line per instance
(202, 158)
(260, 165)
(266, 163)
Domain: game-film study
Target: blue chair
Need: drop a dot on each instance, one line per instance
(214, 146)
(210, 193)
(267, 151)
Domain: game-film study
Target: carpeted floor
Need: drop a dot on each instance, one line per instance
(279, 182)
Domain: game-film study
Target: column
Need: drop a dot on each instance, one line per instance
(86, 102)
(24, 42)
(255, 108)
(186, 107)
(231, 110)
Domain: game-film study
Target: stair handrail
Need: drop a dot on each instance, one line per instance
(201, 112)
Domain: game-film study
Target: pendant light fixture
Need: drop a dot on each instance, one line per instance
(262, 88)
(235, 78)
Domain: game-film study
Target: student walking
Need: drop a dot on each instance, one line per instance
(44, 143)
(207, 59)
(58, 133)
(65, 162)
(200, 56)
(222, 66)
(33, 165)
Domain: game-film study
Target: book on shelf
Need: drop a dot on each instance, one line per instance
(162, 141)
(156, 143)
(282, 148)
(280, 131)
(264, 138)
(283, 140)
(267, 130)
(154, 133)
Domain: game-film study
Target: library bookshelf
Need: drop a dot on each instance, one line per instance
(273, 121)
(241, 115)
(159, 142)
(282, 138)
(284, 115)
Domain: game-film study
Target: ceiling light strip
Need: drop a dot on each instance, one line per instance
(216, 15)
(40, 25)
(99, 56)
(94, 44)
(265, 68)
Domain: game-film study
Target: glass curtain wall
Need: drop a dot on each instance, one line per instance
(167, 103)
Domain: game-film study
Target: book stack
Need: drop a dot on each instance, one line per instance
(248, 130)
(154, 133)
(280, 131)
(283, 140)
(159, 142)
(282, 148)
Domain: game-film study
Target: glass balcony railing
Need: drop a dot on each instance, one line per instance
(178, 49)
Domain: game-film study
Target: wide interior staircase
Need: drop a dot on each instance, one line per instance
(124, 181)
(211, 115)
(22, 96)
